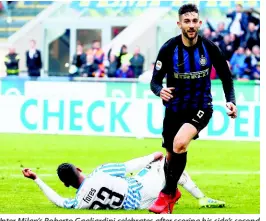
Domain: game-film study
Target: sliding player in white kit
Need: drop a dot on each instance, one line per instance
(109, 187)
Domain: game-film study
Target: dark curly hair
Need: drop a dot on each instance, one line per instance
(68, 174)
(188, 8)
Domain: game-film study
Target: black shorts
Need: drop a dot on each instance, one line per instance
(173, 121)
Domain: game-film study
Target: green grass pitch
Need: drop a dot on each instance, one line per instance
(225, 170)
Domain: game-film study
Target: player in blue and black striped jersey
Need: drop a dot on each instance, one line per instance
(186, 61)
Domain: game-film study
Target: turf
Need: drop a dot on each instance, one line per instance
(226, 170)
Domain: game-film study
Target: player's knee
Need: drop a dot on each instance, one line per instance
(179, 146)
(180, 150)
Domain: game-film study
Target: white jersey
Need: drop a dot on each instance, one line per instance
(107, 188)
(152, 178)
(100, 191)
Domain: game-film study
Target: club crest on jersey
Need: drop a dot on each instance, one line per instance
(203, 61)
(158, 65)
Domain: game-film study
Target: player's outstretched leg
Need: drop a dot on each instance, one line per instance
(188, 184)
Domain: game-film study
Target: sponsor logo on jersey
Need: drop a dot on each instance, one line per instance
(192, 75)
(89, 196)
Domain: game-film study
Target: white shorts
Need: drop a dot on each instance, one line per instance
(153, 180)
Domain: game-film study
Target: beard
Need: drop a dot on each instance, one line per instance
(190, 37)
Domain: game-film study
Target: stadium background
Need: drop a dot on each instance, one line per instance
(113, 107)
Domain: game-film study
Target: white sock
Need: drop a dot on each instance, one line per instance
(186, 182)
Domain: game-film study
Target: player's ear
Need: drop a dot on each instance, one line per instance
(178, 24)
(200, 22)
(79, 169)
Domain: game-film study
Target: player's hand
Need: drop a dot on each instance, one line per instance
(166, 93)
(157, 156)
(29, 174)
(232, 110)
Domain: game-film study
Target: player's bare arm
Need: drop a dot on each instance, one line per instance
(49, 192)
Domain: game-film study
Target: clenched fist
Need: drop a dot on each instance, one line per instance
(29, 174)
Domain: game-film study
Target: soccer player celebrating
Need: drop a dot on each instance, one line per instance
(187, 60)
(108, 187)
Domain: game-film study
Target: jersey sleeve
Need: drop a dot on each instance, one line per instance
(113, 169)
(121, 169)
(53, 196)
(223, 71)
(159, 71)
(138, 163)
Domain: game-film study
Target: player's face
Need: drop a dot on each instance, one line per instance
(189, 24)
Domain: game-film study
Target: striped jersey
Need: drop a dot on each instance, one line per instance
(187, 69)
(107, 187)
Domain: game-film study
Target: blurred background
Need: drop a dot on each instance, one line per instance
(121, 35)
(106, 49)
